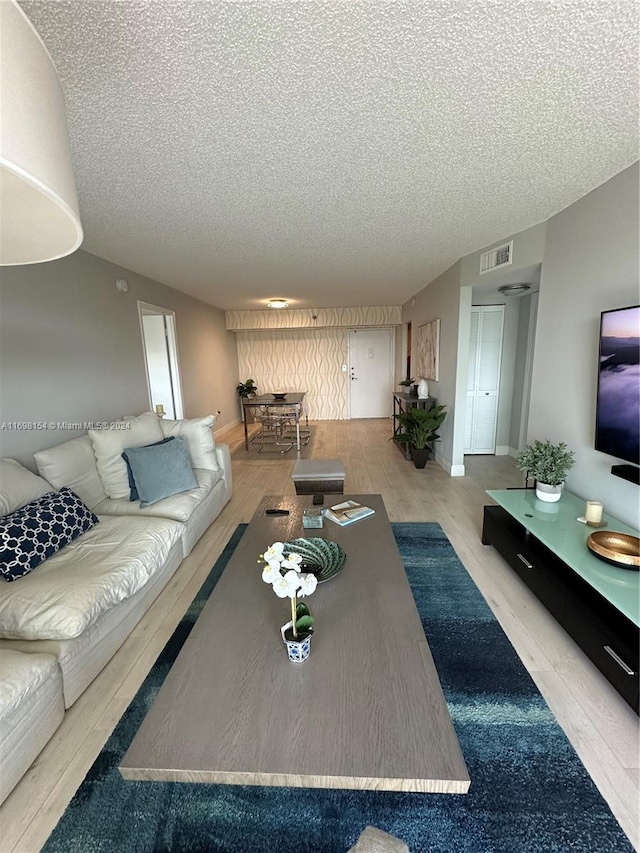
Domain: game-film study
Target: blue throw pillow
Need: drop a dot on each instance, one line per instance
(133, 493)
(36, 531)
(160, 470)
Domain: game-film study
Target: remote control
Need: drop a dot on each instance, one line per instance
(277, 512)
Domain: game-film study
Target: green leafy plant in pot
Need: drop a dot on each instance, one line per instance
(549, 464)
(246, 389)
(419, 429)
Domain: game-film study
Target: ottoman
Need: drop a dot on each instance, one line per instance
(318, 476)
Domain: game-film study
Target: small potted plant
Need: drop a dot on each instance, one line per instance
(549, 464)
(406, 384)
(284, 573)
(419, 429)
(246, 389)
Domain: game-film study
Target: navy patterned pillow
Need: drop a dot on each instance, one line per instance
(36, 531)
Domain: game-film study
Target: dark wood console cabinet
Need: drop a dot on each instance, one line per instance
(606, 635)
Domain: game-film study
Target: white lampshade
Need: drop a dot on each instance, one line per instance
(39, 217)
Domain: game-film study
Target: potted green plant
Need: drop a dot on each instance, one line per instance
(419, 430)
(549, 464)
(246, 389)
(406, 384)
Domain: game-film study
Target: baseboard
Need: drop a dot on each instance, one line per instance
(217, 433)
(513, 452)
(502, 450)
(452, 470)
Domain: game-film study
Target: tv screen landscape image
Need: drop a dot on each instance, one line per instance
(618, 404)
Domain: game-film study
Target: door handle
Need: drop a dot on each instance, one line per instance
(619, 660)
(525, 561)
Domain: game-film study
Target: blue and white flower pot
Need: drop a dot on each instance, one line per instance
(298, 650)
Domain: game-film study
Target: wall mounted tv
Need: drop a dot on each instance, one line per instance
(618, 404)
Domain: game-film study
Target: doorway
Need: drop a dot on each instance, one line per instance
(370, 372)
(483, 378)
(158, 328)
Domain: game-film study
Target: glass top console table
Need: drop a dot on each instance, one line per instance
(596, 603)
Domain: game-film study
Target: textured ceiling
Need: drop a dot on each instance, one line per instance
(336, 153)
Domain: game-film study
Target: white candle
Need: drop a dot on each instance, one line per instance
(159, 409)
(593, 512)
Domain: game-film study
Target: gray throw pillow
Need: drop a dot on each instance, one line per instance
(160, 470)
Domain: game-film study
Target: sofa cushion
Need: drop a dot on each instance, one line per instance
(108, 445)
(31, 709)
(160, 470)
(178, 507)
(18, 486)
(73, 464)
(198, 435)
(133, 491)
(40, 529)
(101, 568)
(22, 674)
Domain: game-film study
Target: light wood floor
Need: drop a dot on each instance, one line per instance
(602, 728)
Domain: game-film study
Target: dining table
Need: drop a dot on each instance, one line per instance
(291, 400)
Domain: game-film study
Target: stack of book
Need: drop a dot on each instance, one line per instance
(348, 512)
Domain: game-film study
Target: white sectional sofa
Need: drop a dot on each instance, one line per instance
(62, 622)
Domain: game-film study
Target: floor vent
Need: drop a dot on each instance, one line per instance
(501, 256)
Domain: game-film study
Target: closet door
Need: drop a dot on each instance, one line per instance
(483, 383)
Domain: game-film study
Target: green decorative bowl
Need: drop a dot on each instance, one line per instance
(320, 557)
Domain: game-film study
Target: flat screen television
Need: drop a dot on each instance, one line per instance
(618, 403)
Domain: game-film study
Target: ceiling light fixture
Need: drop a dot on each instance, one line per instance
(39, 217)
(277, 303)
(513, 289)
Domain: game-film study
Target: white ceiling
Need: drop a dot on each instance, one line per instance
(336, 153)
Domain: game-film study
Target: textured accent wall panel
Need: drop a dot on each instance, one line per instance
(292, 360)
(303, 318)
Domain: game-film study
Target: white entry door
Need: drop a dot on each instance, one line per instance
(483, 382)
(370, 372)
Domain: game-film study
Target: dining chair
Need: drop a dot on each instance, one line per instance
(274, 429)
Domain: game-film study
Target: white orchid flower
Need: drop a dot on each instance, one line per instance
(271, 572)
(308, 584)
(291, 563)
(274, 552)
(286, 586)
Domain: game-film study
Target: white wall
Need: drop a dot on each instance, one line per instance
(442, 299)
(590, 265)
(519, 371)
(528, 251)
(71, 350)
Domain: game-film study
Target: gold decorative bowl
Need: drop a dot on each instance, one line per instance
(619, 549)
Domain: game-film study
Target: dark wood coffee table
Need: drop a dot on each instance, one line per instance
(366, 710)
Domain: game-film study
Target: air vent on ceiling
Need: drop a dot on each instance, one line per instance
(501, 256)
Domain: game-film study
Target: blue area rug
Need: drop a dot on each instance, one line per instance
(529, 792)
